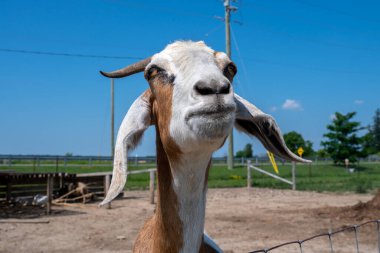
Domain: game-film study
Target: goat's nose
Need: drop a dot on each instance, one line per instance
(211, 88)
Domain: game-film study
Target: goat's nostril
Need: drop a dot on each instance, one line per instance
(225, 88)
(203, 89)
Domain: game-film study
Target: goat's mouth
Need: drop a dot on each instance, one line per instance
(212, 112)
(211, 122)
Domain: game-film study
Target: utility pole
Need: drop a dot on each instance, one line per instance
(112, 118)
(228, 9)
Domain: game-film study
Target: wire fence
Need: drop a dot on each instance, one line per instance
(40, 160)
(299, 246)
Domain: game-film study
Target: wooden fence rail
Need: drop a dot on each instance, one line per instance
(105, 179)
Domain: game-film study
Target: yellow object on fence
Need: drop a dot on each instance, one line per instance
(273, 161)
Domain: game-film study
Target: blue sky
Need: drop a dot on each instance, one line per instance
(298, 60)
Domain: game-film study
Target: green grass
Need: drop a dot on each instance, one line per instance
(319, 177)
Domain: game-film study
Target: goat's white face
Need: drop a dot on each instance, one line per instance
(203, 106)
(192, 104)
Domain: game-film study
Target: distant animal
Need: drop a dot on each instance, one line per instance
(72, 191)
(193, 107)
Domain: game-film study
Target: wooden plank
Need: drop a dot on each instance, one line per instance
(89, 180)
(18, 181)
(141, 171)
(96, 174)
(31, 187)
(34, 221)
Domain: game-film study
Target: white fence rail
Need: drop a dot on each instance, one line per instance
(252, 167)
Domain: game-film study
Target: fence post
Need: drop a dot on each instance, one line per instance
(378, 234)
(107, 182)
(49, 192)
(56, 164)
(331, 244)
(356, 238)
(8, 191)
(61, 175)
(151, 186)
(249, 180)
(294, 176)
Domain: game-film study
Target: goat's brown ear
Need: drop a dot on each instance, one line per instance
(252, 121)
(137, 120)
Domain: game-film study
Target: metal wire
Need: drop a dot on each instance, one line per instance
(354, 228)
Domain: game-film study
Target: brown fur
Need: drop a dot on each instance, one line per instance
(162, 109)
(162, 232)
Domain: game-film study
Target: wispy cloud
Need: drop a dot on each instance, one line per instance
(273, 109)
(358, 102)
(291, 104)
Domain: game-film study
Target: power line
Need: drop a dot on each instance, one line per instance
(20, 51)
(245, 71)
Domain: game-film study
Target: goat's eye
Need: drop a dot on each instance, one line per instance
(230, 70)
(152, 72)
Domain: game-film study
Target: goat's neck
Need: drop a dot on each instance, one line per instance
(181, 202)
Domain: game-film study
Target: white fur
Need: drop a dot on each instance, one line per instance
(189, 186)
(190, 63)
(135, 122)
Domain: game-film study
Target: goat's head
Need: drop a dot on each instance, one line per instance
(192, 94)
(192, 103)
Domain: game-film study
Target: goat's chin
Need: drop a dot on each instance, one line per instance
(211, 128)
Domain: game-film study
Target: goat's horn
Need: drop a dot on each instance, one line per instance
(129, 70)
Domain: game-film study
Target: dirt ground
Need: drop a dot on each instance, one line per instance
(239, 220)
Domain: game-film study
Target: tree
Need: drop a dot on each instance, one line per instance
(368, 144)
(322, 153)
(295, 140)
(371, 140)
(246, 152)
(342, 140)
(375, 129)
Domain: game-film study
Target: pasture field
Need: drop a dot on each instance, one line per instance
(320, 177)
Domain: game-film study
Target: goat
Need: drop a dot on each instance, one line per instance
(193, 107)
